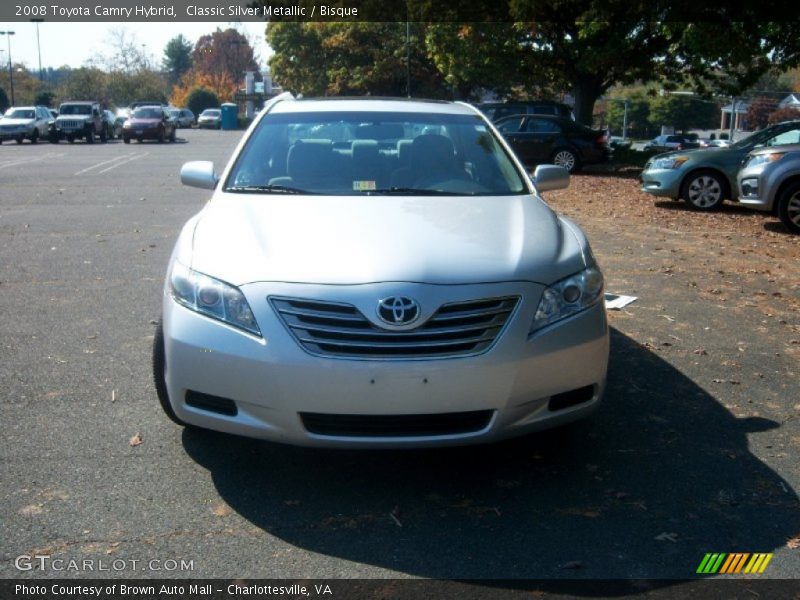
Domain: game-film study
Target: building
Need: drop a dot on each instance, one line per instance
(739, 118)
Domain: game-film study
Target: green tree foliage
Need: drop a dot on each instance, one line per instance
(44, 99)
(4, 101)
(200, 99)
(684, 112)
(318, 59)
(177, 58)
(638, 115)
(224, 53)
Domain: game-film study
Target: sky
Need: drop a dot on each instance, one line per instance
(74, 43)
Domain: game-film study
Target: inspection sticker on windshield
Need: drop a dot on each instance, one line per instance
(363, 186)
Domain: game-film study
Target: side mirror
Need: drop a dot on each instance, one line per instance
(550, 177)
(199, 174)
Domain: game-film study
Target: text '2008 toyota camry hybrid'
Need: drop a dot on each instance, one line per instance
(379, 273)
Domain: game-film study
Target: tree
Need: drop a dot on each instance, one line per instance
(759, 110)
(224, 53)
(364, 58)
(684, 112)
(783, 114)
(222, 86)
(126, 54)
(86, 83)
(638, 115)
(177, 58)
(44, 99)
(200, 99)
(4, 102)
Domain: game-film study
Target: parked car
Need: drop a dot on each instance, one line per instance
(25, 122)
(148, 123)
(114, 124)
(210, 118)
(705, 178)
(349, 294)
(183, 117)
(617, 141)
(541, 139)
(499, 110)
(770, 180)
(79, 120)
(665, 143)
(139, 103)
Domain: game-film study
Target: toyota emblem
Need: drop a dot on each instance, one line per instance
(398, 310)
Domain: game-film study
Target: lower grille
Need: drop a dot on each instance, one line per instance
(216, 404)
(396, 425)
(339, 330)
(70, 124)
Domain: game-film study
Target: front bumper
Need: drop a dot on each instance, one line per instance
(752, 188)
(662, 182)
(142, 133)
(16, 134)
(272, 379)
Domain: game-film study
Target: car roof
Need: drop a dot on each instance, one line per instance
(388, 105)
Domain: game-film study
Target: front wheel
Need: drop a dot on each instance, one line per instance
(789, 207)
(564, 157)
(20, 139)
(35, 136)
(126, 139)
(90, 137)
(104, 135)
(703, 190)
(159, 367)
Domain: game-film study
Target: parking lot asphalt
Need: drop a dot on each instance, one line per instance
(693, 451)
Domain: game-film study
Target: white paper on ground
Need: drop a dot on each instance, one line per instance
(618, 301)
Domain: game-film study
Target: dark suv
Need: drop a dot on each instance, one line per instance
(499, 110)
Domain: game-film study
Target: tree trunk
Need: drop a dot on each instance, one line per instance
(586, 90)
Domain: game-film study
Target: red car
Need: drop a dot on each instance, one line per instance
(149, 123)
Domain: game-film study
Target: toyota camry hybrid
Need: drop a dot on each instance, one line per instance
(379, 273)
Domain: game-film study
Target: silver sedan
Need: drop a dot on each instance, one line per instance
(379, 273)
(770, 180)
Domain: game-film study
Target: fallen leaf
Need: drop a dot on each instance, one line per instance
(222, 510)
(793, 543)
(136, 440)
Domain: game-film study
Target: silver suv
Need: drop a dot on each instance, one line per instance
(79, 120)
(770, 180)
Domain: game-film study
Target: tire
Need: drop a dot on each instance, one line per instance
(564, 157)
(789, 207)
(54, 139)
(90, 136)
(104, 135)
(70, 139)
(35, 136)
(704, 190)
(159, 364)
(173, 135)
(20, 140)
(126, 139)
(161, 136)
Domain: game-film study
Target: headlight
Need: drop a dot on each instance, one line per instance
(760, 159)
(212, 298)
(568, 297)
(671, 162)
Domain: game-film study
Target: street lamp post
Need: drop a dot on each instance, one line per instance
(38, 46)
(10, 68)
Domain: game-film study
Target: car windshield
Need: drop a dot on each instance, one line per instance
(783, 135)
(210, 112)
(372, 153)
(147, 113)
(21, 113)
(75, 109)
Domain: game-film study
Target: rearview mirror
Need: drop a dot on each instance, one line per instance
(550, 177)
(199, 174)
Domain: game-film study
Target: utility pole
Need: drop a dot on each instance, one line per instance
(625, 121)
(733, 117)
(39, 47)
(10, 68)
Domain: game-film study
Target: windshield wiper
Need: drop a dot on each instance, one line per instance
(268, 189)
(410, 191)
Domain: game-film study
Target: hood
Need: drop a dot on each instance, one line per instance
(6, 121)
(699, 153)
(141, 121)
(209, 117)
(366, 239)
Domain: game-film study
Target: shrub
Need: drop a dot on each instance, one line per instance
(200, 99)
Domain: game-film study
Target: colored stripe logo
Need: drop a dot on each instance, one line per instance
(731, 564)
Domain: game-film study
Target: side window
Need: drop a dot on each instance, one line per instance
(542, 126)
(787, 137)
(510, 126)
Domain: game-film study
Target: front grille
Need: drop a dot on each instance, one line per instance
(396, 425)
(71, 124)
(338, 330)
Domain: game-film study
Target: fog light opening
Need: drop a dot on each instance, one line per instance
(571, 398)
(215, 404)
